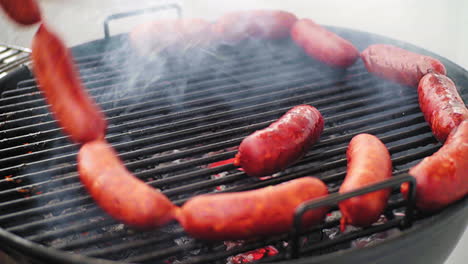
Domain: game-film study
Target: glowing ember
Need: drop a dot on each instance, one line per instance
(9, 178)
(222, 174)
(23, 190)
(253, 255)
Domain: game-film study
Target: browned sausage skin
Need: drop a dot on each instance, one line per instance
(285, 141)
(369, 162)
(119, 193)
(251, 214)
(71, 105)
(266, 24)
(24, 12)
(399, 65)
(441, 104)
(323, 45)
(443, 177)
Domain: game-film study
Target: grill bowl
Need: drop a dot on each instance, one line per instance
(436, 234)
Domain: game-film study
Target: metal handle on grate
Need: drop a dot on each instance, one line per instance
(139, 12)
(337, 197)
(11, 57)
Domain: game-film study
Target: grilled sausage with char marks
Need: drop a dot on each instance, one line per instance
(442, 106)
(399, 65)
(251, 214)
(443, 177)
(285, 141)
(122, 195)
(369, 162)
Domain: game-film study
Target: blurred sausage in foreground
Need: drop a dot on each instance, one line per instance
(57, 77)
(24, 12)
(118, 192)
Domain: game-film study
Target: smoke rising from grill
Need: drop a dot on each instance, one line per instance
(141, 72)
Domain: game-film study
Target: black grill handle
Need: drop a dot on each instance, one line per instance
(337, 197)
(139, 12)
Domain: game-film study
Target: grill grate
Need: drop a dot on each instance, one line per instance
(11, 57)
(170, 119)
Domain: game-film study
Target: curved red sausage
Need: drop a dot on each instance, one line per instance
(251, 214)
(266, 24)
(274, 148)
(155, 36)
(323, 45)
(369, 162)
(443, 177)
(75, 111)
(25, 12)
(122, 195)
(441, 104)
(399, 65)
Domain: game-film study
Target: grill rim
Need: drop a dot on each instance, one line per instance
(456, 211)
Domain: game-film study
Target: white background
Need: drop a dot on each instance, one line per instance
(439, 26)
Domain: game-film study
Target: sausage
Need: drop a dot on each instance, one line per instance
(76, 112)
(323, 45)
(441, 104)
(399, 65)
(443, 177)
(119, 193)
(156, 36)
(283, 142)
(369, 162)
(251, 214)
(24, 12)
(264, 24)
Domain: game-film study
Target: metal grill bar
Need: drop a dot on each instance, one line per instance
(191, 131)
(150, 173)
(392, 148)
(136, 244)
(7, 131)
(10, 132)
(349, 96)
(178, 114)
(119, 67)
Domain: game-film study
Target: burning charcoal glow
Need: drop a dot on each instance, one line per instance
(221, 163)
(253, 255)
